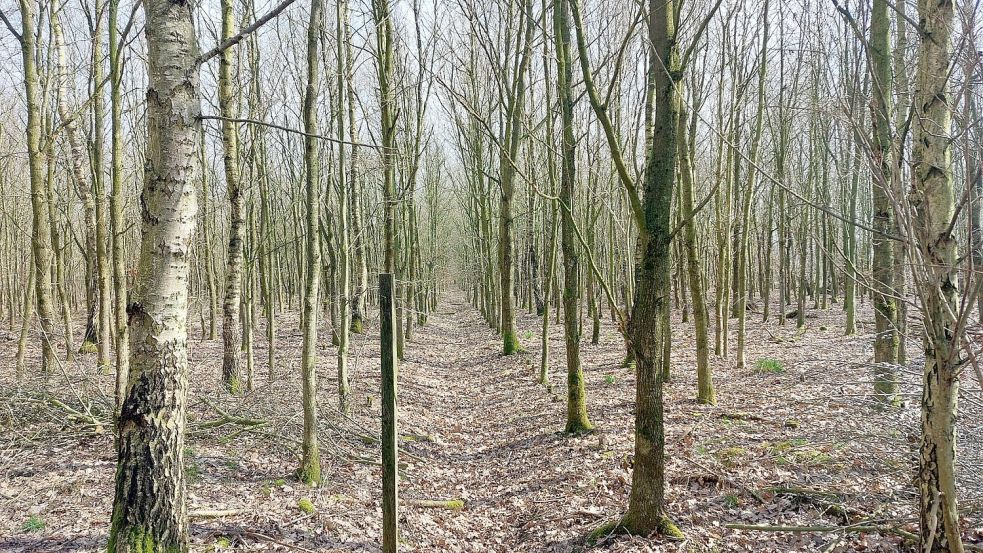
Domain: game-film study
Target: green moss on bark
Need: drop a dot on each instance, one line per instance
(663, 527)
(357, 326)
(310, 473)
(136, 540)
(234, 386)
(510, 344)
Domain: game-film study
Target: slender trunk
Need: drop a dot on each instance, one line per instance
(704, 388)
(41, 228)
(886, 340)
(933, 201)
(103, 276)
(744, 253)
(577, 420)
(310, 464)
(381, 13)
(228, 107)
(116, 203)
(508, 158)
(344, 242)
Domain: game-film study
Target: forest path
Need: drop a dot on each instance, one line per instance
(494, 440)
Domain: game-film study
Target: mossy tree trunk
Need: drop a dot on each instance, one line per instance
(384, 53)
(704, 387)
(648, 327)
(508, 158)
(41, 227)
(744, 251)
(886, 339)
(116, 205)
(228, 106)
(310, 463)
(344, 266)
(103, 276)
(577, 420)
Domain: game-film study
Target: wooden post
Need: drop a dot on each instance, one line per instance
(389, 453)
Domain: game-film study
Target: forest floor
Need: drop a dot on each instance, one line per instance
(794, 440)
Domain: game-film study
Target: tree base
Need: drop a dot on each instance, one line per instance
(664, 527)
(310, 473)
(579, 427)
(233, 386)
(709, 398)
(511, 345)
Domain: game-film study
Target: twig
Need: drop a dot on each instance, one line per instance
(232, 41)
(214, 513)
(855, 528)
(452, 504)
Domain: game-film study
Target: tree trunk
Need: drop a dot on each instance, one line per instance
(577, 420)
(41, 228)
(116, 203)
(886, 339)
(310, 464)
(704, 388)
(648, 328)
(228, 107)
(149, 509)
(932, 198)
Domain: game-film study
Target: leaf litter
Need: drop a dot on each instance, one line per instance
(795, 441)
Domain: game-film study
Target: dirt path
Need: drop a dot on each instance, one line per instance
(493, 436)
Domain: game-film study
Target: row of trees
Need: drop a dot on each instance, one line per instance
(770, 149)
(609, 159)
(287, 219)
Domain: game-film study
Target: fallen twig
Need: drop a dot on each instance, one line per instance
(853, 528)
(214, 513)
(452, 504)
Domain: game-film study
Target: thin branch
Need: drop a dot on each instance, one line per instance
(698, 36)
(286, 129)
(233, 40)
(11, 27)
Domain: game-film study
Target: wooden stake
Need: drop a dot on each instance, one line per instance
(389, 453)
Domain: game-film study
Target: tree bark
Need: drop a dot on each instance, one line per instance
(933, 201)
(310, 464)
(149, 510)
(887, 338)
(41, 228)
(228, 107)
(577, 419)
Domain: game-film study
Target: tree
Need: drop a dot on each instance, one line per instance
(932, 200)
(381, 13)
(122, 338)
(744, 252)
(648, 328)
(514, 100)
(577, 420)
(887, 339)
(310, 463)
(41, 228)
(149, 512)
(228, 106)
(704, 391)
